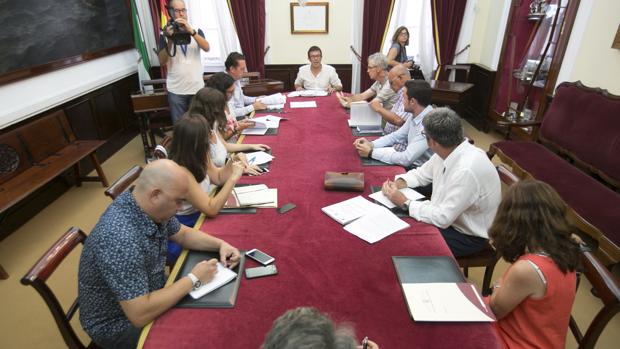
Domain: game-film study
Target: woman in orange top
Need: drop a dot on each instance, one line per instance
(533, 300)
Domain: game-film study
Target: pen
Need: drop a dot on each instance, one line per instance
(251, 160)
(365, 343)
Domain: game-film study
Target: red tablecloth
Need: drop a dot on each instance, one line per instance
(319, 263)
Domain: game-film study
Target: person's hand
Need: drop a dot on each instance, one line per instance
(260, 147)
(168, 30)
(400, 183)
(376, 105)
(371, 345)
(258, 105)
(205, 270)
(408, 64)
(253, 170)
(330, 89)
(299, 88)
(237, 170)
(360, 141)
(229, 256)
(183, 23)
(243, 124)
(364, 148)
(390, 190)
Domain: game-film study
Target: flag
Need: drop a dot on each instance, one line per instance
(164, 13)
(138, 39)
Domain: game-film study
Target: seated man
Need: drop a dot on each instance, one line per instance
(466, 189)
(417, 152)
(121, 274)
(395, 117)
(317, 76)
(243, 105)
(380, 89)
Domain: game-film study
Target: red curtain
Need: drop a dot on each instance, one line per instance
(447, 20)
(376, 15)
(249, 18)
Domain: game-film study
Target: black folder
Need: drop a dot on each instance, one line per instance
(373, 162)
(357, 133)
(399, 212)
(223, 297)
(425, 269)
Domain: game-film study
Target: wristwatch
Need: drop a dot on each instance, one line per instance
(195, 281)
(194, 32)
(405, 205)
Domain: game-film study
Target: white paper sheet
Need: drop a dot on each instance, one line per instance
(276, 98)
(308, 93)
(221, 278)
(349, 210)
(408, 192)
(250, 188)
(269, 121)
(376, 225)
(441, 302)
(362, 114)
(306, 104)
(259, 197)
(258, 157)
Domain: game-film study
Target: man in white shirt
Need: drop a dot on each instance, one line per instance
(380, 90)
(185, 71)
(466, 189)
(317, 76)
(243, 105)
(417, 101)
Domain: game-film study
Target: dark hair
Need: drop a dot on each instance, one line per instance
(532, 217)
(314, 48)
(305, 327)
(397, 33)
(190, 145)
(444, 126)
(420, 90)
(232, 61)
(220, 81)
(210, 103)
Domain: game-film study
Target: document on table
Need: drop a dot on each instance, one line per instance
(274, 99)
(349, 210)
(308, 93)
(376, 225)
(447, 302)
(269, 121)
(408, 192)
(370, 129)
(306, 104)
(250, 188)
(362, 114)
(221, 278)
(266, 197)
(258, 157)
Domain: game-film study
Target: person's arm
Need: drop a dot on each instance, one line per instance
(201, 41)
(463, 192)
(165, 46)
(334, 81)
(398, 136)
(420, 176)
(415, 148)
(391, 57)
(387, 115)
(194, 239)
(299, 80)
(364, 96)
(201, 200)
(520, 282)
(219, 175)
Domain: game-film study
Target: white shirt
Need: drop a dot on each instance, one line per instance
(417, 151)
(327, 77)
(466, 191)
(242, 104)
(185, 70)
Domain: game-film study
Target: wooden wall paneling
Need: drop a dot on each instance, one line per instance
(477, 108)
(82, 119)
(287, 73)
(106, 113)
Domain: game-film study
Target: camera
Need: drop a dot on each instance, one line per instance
(179, 35)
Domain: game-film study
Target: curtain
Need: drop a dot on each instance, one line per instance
(376, 16)
(356, 39)
(249, 19)
(416, 16)
(447, 19)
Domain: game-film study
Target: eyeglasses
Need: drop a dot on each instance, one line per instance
(180, 10)
(424, 134)
(404, 33)
(315, 56)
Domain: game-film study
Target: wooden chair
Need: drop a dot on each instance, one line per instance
(461, 72)
(42, 270)
(487, 258)
(121, 184)
(3, 274)
(607, 287)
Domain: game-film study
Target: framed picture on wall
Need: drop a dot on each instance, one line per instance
(311, 18)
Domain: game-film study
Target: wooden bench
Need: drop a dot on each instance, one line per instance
(39, 151)
(577, 152)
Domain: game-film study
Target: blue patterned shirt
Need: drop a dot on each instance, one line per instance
(123, 258)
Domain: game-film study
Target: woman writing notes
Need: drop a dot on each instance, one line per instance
(398, 53)
(534, 298)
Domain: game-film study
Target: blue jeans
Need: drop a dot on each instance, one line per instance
(461, 244)
(178, 105)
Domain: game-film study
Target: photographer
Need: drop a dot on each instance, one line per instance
(179, 50)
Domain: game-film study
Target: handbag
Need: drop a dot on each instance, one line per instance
(344, 181)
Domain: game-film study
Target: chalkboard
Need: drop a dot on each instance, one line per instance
(36, 33)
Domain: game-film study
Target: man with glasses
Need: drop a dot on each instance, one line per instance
(317, 76)
(380, 90)
(465, 186)
(183, 62)
(417, 99)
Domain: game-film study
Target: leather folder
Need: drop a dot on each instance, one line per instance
(344, 181)
(223, 297)
(423, 269)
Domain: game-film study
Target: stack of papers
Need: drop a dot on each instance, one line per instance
(258, 157)
(221, 278)
(274, 99)
(254, 196)
(308, 104)
(368, 221)
(362, 114)
(408, 192)
(262, 124)
(308, 93)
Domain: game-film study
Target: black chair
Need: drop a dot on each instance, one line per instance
(43, 269)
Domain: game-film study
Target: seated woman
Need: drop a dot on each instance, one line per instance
(210, 103)
(397, 53)
(533, 299)
(226, 84)
(190, 151)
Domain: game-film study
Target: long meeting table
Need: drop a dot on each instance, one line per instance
(319, 263)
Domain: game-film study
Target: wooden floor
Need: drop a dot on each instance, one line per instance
(25, 321)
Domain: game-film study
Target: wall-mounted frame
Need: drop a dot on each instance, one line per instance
(312, 18)
(616, 43)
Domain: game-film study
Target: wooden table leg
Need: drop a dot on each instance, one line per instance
(3, 274)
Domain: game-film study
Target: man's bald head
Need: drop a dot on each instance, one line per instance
(161, 188)
(398, 75)
(160, 174)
